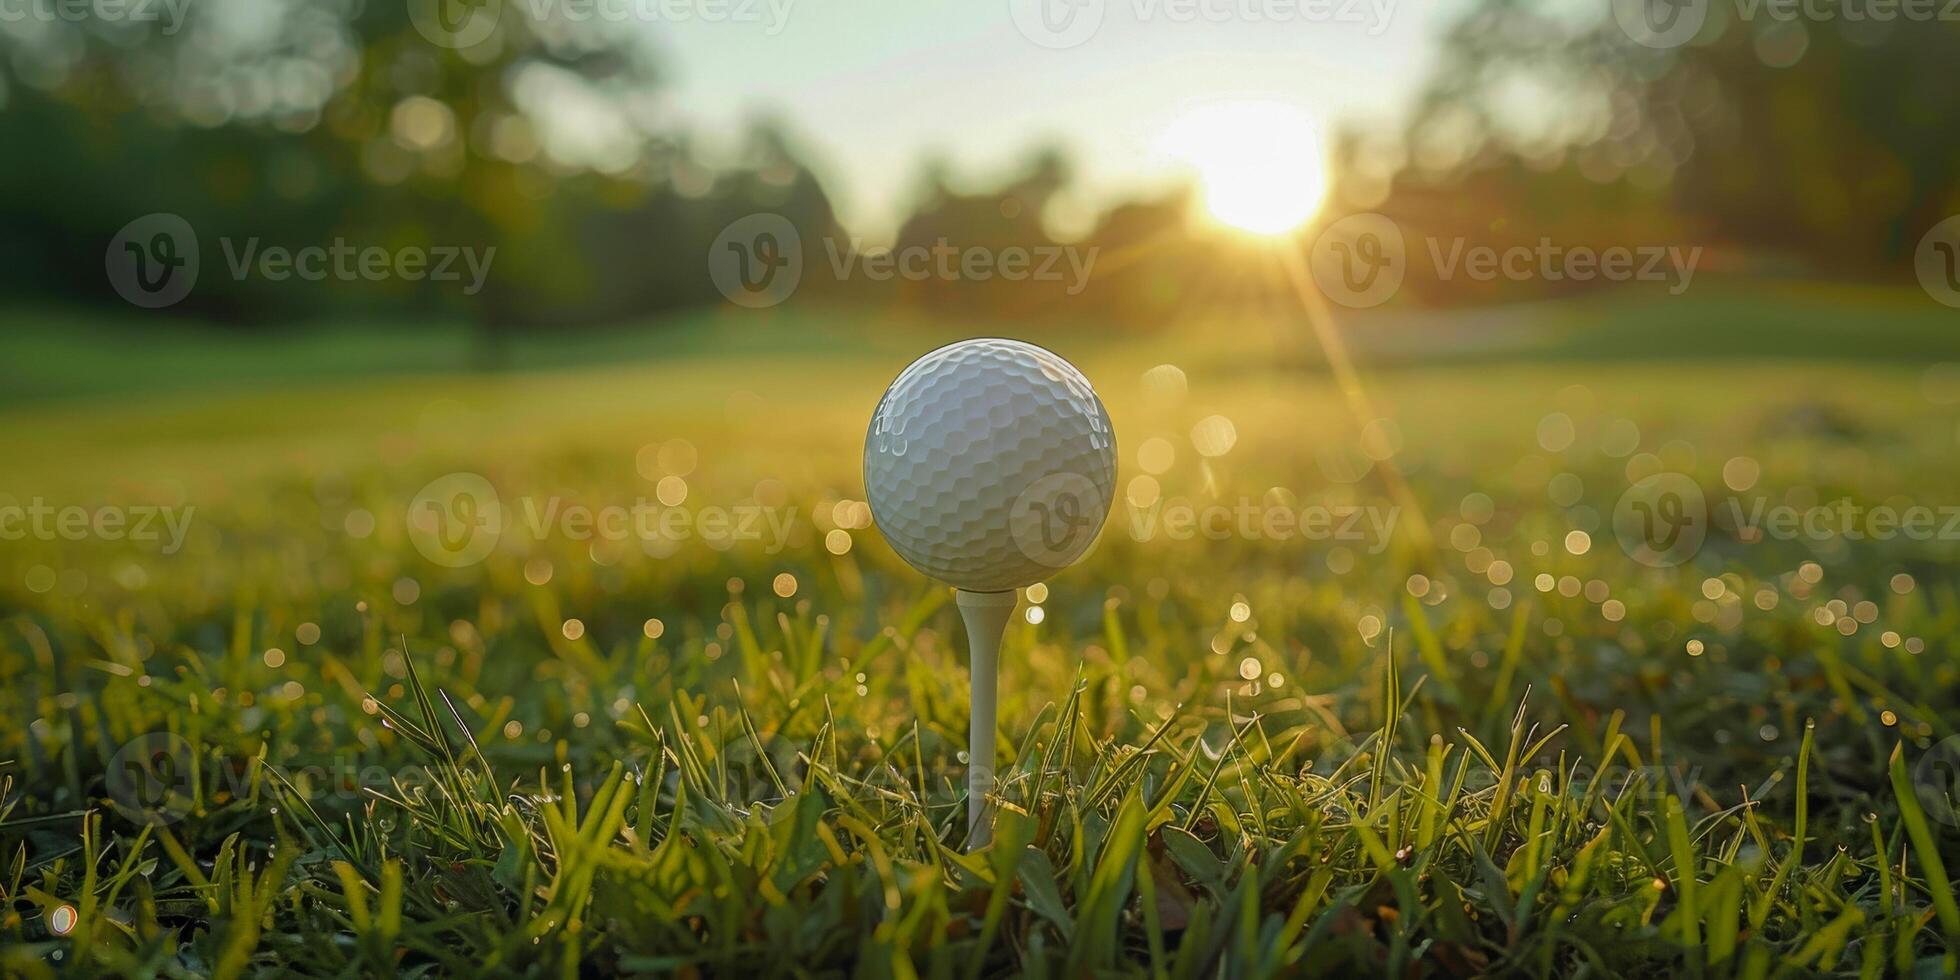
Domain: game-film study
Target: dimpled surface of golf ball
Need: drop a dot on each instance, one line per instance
(990, 464)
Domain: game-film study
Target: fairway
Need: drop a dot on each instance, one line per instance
(1396, 695)
(1051, 489)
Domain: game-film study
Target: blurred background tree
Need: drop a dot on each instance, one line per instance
(1814, 146)
(1829, 142)
(340, 120)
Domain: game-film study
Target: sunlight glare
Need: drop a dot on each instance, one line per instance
(1260, 164)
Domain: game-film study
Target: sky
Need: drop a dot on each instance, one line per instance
(871, 88)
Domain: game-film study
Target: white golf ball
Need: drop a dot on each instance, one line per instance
(990, 464)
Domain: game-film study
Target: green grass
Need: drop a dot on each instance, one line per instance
(439, 768)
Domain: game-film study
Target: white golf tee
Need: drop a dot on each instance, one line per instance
(986, 615)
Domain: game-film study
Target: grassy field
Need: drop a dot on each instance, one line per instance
(1467, 734)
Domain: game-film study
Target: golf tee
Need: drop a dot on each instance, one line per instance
(986, 615)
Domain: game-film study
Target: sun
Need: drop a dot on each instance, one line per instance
(1260, 165)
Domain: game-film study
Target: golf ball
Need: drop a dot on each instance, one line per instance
(990, 464)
